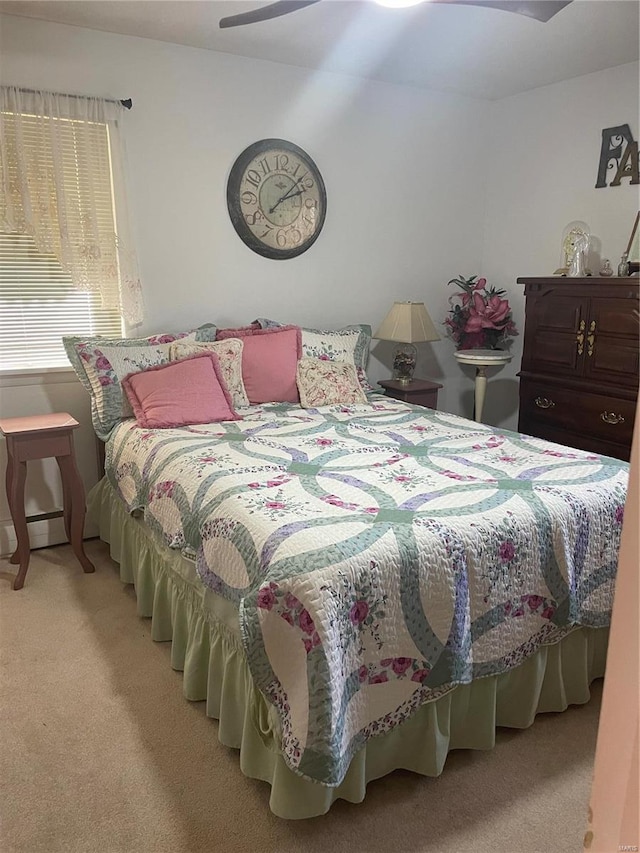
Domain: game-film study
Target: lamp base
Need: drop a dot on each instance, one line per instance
(404, 363)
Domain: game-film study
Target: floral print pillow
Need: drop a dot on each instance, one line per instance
(229, 354)
(328, 383)
(102, 363)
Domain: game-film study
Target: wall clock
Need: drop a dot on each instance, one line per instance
(276, 199)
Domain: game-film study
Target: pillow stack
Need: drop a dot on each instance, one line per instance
(204, 375)
(102, 363)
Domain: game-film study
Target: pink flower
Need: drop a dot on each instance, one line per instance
(305, 621)
(379, 678)
(275, 505)
(266, 598)
(291, 601)
(372, 510)
(507, 551)
(480, 283)
(286, 615)
(400, 665)
(534, 602)
(333, 500)
(253, 485)
(105, 380)
(323, 442)
(420, 675)
(548, 612)
(311, 642)
(359, 612)
(619, 514)
(489, 315)
(166, 339)
(103, 363)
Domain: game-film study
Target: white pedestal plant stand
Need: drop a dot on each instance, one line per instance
(481, 359)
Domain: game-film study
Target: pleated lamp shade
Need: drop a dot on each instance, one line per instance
(407, 322)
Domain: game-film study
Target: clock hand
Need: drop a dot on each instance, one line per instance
(287, 195)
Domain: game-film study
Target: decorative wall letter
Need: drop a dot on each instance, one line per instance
(619, 150)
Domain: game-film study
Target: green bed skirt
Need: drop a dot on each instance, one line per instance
(206, 647)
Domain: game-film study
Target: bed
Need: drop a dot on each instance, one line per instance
(357, 588)
(352, 584)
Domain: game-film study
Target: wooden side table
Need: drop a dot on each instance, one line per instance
(420, 392)
(41, 437)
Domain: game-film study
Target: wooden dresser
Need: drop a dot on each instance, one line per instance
(579, 374)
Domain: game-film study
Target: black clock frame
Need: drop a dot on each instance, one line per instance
(234, 191)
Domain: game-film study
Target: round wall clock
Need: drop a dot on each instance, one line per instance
(276, 199)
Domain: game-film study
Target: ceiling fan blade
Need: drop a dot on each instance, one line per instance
(541, 10)
(265, 13)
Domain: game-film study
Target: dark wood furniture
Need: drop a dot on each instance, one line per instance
(420, 392)
(41, 437)
(579, 373)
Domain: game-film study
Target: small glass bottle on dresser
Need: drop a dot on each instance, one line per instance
(623, 266)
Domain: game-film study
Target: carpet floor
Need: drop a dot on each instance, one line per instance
(100, 752)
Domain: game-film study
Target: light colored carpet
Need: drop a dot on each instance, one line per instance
(99, 751)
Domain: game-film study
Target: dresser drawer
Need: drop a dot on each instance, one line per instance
(577, 412)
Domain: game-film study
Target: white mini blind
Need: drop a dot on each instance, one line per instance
(38, 301)
(39, 304)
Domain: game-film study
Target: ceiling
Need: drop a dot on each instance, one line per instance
(483, 53)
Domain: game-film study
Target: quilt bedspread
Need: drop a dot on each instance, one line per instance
(379, 554)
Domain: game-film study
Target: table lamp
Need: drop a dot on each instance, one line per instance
(407, 323)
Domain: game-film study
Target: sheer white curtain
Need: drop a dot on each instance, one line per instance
(62, 162)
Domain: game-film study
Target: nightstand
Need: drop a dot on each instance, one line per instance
(420, 392)
(41, 437)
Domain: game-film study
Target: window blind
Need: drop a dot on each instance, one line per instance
(38, 302)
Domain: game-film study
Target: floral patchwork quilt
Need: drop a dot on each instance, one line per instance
(379, 553)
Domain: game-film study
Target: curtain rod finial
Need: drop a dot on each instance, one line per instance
(127, 103)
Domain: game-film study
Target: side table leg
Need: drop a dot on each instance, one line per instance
(73, 490)
(15, 494)
(15, 557)
(481, 388)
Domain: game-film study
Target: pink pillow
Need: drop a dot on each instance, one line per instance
(269, 363)
(221, 334)
(188, 391)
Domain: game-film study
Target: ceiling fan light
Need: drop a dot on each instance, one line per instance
(398, 4)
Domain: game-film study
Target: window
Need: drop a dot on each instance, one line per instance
(39, 304)
(65, 268)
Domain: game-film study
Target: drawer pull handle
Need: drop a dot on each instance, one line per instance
(580, 337)
(544, 403)
(611, 418)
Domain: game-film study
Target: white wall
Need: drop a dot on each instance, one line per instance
(405, 172)
(403, 183)
(545, 152)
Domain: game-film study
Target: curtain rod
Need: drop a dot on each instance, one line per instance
(127, 103)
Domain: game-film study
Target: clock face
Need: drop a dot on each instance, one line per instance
(276, 198)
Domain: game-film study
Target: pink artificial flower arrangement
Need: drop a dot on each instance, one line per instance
(479, 318)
